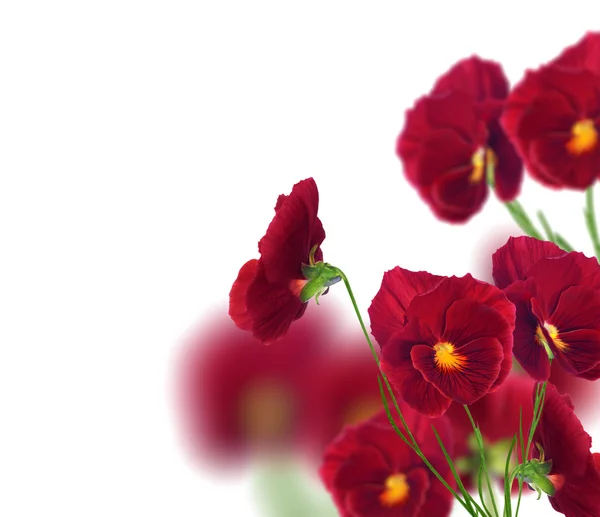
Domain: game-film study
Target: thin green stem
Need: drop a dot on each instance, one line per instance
(590, 220)
(483, 461)
(518, 213)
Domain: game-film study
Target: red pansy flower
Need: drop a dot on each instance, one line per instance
(240, 398)
(553, 116)
(371, 472)
(575, 471)
(557, 298)
(498, 417)
(455, 342)
(265, 298)
(453, 134)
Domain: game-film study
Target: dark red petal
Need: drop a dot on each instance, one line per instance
(475, 377)
(562, 436)
(237, 296)
(583, 352)
(419, 394)
(530, 354)
(455, 198)
(579, 495)
(271, 307)
(294, 230)
(583, 54)
(444, 151)
(508, 172)
(550, 157)
(593, 374)
(398, 288)
(366, 465)
(480, 78)
(514, 260)
(554, 275)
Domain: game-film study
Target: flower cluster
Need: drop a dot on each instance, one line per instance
(456, 408)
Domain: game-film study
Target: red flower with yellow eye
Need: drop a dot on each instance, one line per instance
(455, 343)
(371, 472)
(453, 136)
(239, 398)
(265, 297)
(557, 298)
(553, 117)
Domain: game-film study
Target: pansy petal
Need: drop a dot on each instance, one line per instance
(561, 435)
(419, 394)
(476, 367)
(398, 287)
(527, 349)
(294, 230)
(238, 309)
(513, 261)
(271, 307)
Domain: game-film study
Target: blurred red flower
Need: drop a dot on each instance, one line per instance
(557, 298)
(344, 391)
(553, 116)
(371, 472)
(575, 471)
(498, 416)
(453, 135)
(265, 297)
(455, 342)
(240, 398)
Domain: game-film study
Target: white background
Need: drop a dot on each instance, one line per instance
(142, 148)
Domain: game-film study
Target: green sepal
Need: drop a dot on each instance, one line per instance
(535, 474)
(320, 277)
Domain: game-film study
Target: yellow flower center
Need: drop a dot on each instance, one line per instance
(554, 335)
(265, 412)
(584, 137)
(482, 158)
(361, 410)
(396, 491)
(446, 359)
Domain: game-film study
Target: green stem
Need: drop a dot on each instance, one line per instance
(412, 443)
(480, 446)
(590, 220)
(522, 219)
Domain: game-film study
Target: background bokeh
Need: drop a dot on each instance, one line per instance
(143, 146)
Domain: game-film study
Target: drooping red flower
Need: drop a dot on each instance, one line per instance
(557, 298)
(453, 135)
(455, 342)
(371, 472)
(553, 117)
(575, 472)
(265, 297)
(239, 398)
(498, 417)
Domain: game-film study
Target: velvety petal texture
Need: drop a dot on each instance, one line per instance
(371, 472)
(453, 338)
(564, 441)
(265, 298)
(452, 137)
(557, 299)
(553, 117)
